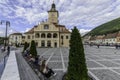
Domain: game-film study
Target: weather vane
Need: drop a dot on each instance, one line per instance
(53, 1)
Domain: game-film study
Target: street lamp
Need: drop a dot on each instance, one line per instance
(7, 24)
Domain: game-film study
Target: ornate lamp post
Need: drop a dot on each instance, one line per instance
(7, 24)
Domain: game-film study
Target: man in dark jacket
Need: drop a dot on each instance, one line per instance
(8, 50)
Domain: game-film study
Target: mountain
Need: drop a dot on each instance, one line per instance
(109, 27)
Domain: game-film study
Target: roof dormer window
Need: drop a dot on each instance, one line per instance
(46, 26)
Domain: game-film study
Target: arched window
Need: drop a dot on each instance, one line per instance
(37, 35)
(55, 35)
(46, 26)
(43, 35)
(49, 35)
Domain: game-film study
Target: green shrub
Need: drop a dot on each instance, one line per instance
(77, 69)
(26, 45)
(33, 50)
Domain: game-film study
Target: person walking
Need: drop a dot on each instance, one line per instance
(8, 50)
(98, 45)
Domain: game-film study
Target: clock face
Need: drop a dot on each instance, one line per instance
(53, 15)
(52, 19)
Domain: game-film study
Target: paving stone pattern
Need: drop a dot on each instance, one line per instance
(2, 62)
(103, 63)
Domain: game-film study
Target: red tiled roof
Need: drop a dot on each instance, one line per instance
(30, 31)
(112, 35)
(100, 37)
(62, 28)
(118, 35)
(16, 34)
(93, 38)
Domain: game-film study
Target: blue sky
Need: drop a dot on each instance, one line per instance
(85, 14)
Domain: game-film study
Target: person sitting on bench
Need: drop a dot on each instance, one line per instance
(26, 53)
(31, 58)
(47, 72)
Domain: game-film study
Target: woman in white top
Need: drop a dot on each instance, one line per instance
(45, 70)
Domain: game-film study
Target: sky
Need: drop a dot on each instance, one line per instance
(85, 14)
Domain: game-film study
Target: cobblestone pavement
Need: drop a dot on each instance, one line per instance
(103, 63)
(2, 62)
(3, 59)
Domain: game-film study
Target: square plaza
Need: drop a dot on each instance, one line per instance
(103, 63)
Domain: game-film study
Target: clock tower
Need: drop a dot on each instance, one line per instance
(53, 14)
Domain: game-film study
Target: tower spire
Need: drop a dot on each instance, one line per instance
(53, 7)
(53, 14)
(53, 1)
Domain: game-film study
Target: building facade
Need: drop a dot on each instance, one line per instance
(49, 33)
(111, 38)
(86, 39)
(100, 39)
(108, 39)
(15, 38)
(118, 38)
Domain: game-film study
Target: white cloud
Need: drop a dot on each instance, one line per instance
(84, 30)
(81, 13)
(27, 29)
(1, 32)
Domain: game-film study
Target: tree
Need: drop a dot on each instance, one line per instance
(1, 40)
(26, 45)
(33, 50)
(77, 69)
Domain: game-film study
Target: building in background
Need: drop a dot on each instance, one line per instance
(100, 39)
(106, 39)
(86, 39)
(15, 38)
(111, 39)
(118, 38)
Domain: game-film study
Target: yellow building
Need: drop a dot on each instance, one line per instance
(15, 38)
(118, 38)
(49, 33)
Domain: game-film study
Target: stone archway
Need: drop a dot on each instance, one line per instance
(48, 43)
(42, 43)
